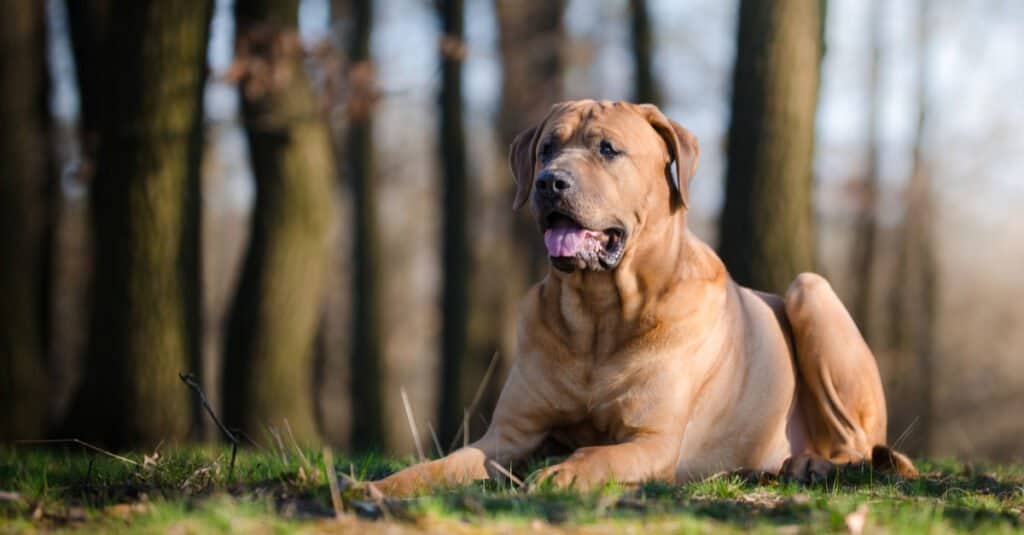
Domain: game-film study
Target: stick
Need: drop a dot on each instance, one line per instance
(190, 380)
(476, 397)
(412, 424)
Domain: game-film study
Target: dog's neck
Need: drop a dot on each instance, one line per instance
(662, 265)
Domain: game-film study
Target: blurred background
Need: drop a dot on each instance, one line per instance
(306, 203)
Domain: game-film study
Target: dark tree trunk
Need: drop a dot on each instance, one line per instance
(268, 374)
(914, 294)
(24, 156)
(767, 234)
(645, 88)
(866, 228)
(455, 254)
(366, 358)
(145, 320)
(87, 20)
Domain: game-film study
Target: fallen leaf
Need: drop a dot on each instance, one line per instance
(855, 520)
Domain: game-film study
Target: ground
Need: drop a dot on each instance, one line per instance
(68, 486)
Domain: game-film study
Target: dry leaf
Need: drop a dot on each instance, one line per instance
(855, 521)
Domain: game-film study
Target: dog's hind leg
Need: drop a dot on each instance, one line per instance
(839, 389)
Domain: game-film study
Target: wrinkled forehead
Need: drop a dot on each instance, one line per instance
(584, 121)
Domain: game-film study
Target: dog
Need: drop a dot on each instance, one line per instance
(637, 353)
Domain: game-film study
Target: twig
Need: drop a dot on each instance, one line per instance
(190, 380)
(412, 424)
(249, 439)
(82, 443)
(505, 472)
(476, 399)
(465, 426)
(332, 482)
(437, 443)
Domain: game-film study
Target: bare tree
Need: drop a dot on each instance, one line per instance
(268, 375)
(914, 294)
(866, 228)
(645, 87)
(455, 254)
(766, 226)
(144, 326)
(367, 358)
(24, 156)
(532, 44)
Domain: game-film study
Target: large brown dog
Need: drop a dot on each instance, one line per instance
(638, 353)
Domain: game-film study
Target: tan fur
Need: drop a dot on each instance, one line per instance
(663, 368)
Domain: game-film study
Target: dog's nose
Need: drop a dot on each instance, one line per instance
(552, 182)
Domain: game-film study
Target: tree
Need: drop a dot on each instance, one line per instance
(914, 294)
(766, 226)
(24, 151)
(366, 358)
(866, 228)
(268, 375)
(645, 88)
(455, 254)
(532, 43)
(144, 325)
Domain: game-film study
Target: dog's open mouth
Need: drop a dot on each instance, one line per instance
(573, 246)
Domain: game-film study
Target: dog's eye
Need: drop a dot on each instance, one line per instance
(547, 149)
(607, 150)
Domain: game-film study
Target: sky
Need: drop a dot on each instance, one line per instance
(974, 83)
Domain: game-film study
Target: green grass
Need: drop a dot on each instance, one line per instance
(188, 489)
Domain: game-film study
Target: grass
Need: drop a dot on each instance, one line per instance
(188, 490)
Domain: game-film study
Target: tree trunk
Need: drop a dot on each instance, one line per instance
(145, 321)
(87, 20)
(366, 357)
(532, 45)
(645, 88)
(24, 154)
(766, 224)
(866, 228)
(455, 253)
(268, 375)
(914, 292)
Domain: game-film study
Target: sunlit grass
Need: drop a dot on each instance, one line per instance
(189, 489)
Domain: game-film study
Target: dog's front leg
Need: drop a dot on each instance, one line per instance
(648, 458)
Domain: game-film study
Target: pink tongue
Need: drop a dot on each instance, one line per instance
(567, 239)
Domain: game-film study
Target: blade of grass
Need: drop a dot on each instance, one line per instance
(476, 399)
(332, 482)
(82, 443)
(437, 443)
(412, 424)
(505, 472)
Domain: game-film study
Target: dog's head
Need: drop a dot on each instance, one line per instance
(595, 172)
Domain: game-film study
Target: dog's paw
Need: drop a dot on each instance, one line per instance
(807, 468)
(561, 476)
(888, 460)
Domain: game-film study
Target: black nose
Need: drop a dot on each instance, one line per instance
(552, 182)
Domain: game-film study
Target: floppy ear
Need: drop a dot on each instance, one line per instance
(521, 160)
(683, 150)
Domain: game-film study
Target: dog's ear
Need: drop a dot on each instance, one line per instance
(521, 156)
(683, 150)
